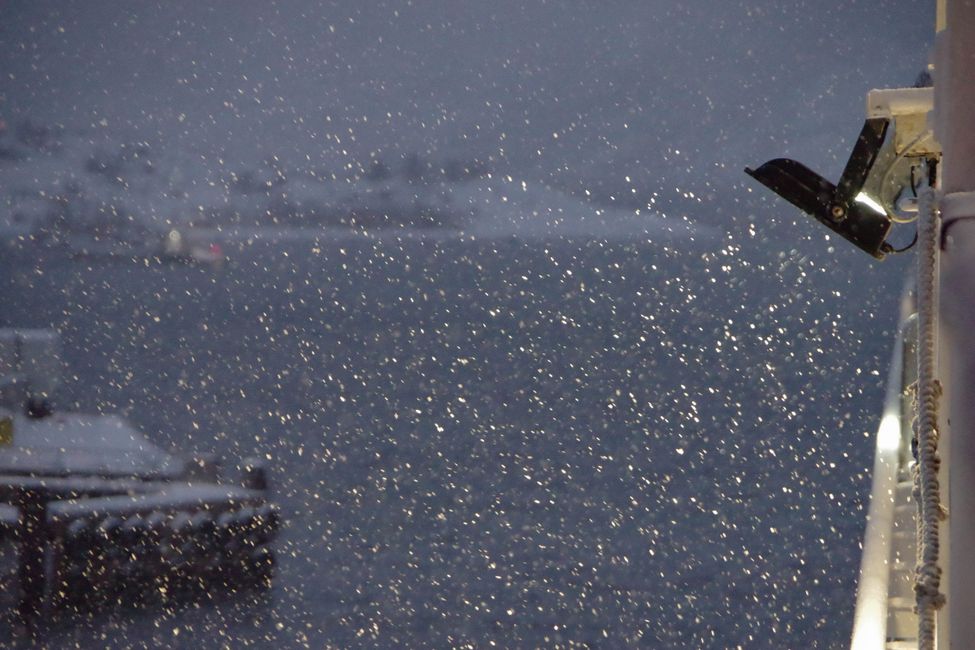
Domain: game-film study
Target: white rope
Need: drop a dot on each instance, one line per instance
(927, 489)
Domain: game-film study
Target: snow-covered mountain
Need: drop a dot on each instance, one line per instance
(645, 105)
(59, 181)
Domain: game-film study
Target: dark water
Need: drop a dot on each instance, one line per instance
(520, 444)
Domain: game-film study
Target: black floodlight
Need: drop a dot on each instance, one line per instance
(843, 208)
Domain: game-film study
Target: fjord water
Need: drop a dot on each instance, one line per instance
(534, 444)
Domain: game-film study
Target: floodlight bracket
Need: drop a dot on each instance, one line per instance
(860, 206)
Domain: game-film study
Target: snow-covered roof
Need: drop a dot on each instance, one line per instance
(78, 444)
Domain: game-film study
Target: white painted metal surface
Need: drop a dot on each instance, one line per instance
(884, 617)
(894, 102)
(870, 616)
(954, 101)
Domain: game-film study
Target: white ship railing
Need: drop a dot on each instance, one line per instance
(872, 615)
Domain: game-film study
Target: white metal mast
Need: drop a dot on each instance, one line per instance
(955, 129)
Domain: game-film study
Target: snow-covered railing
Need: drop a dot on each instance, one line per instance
(871, 614)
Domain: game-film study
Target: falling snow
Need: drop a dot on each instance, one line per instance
(530, 364)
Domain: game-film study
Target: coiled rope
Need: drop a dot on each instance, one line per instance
(927, 488)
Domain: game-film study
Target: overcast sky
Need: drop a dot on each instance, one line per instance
(675, 96)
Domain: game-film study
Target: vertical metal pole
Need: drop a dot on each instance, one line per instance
(955, 129)
(956, 79)
(33, 551)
